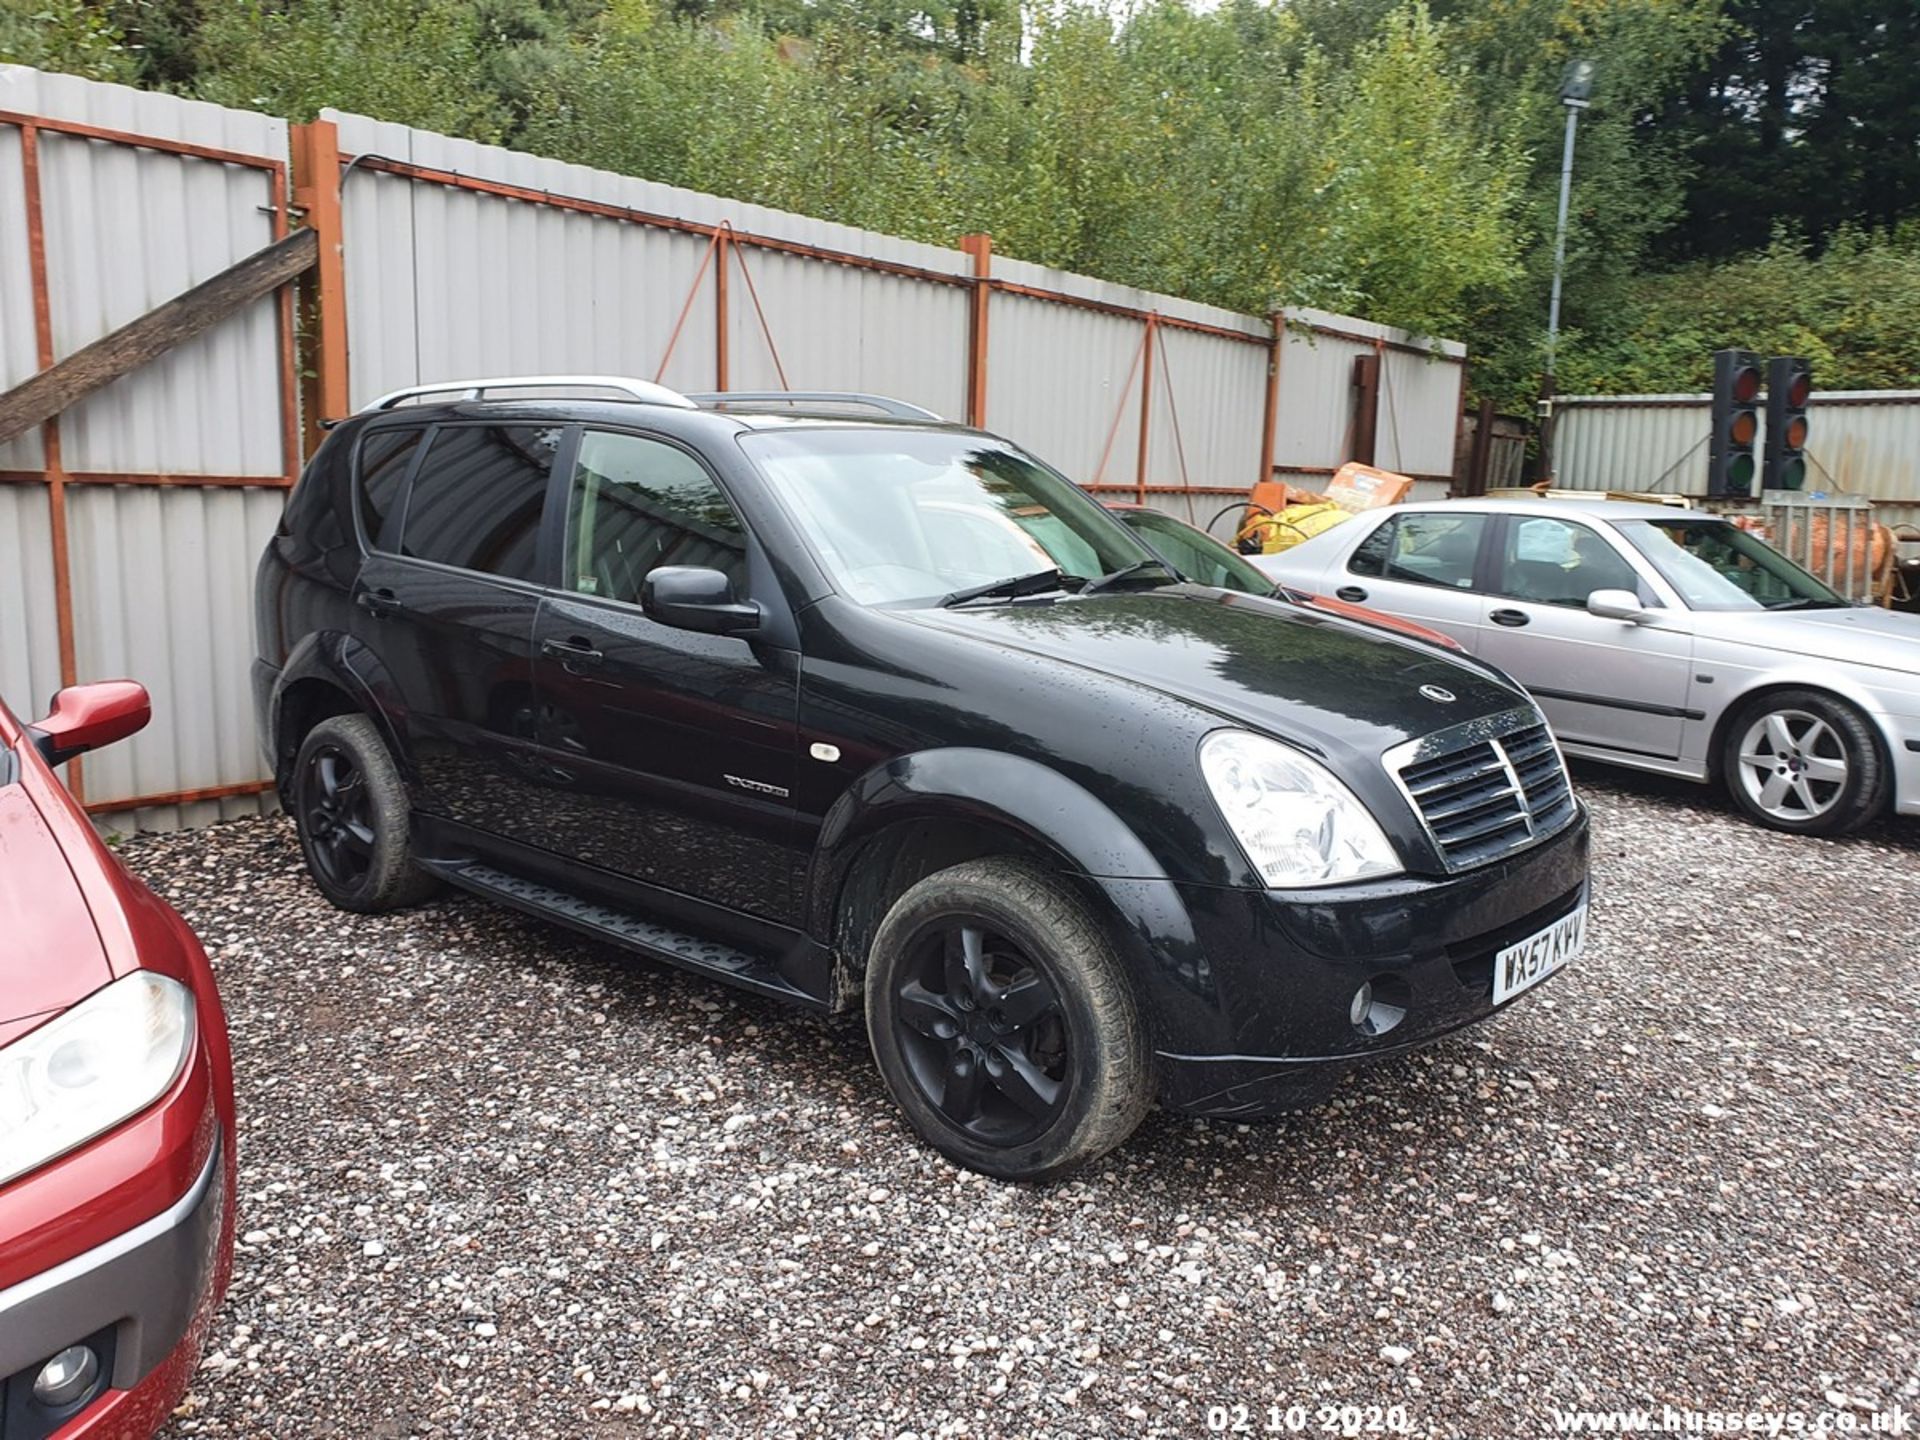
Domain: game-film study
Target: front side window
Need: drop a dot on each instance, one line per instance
(1423, 549)
(1556, 562)
(637, 504)
(476, 498)
(1716, 565)
(903, 517)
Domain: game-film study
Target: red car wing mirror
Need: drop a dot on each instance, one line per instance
(85, 717)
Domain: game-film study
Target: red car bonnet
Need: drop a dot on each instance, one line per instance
(123, 910)
(51, 952)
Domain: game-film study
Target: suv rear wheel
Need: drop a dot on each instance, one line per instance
(350, 807)
(1003, 1023)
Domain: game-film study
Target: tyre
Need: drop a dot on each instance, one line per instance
(351, 810)
(1003, 1023)
(1804, 762)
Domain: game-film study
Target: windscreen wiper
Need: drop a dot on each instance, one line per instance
(1113, 577)
(1012, 587)
(1802, 602)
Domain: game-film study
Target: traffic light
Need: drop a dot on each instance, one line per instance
(1789, 387)
(1736, 422)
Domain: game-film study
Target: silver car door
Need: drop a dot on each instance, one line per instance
(1609, 684)
(1419, 564)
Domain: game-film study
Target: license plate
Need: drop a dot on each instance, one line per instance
(1526, 964)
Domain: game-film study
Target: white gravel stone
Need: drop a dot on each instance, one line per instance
(565, 1110)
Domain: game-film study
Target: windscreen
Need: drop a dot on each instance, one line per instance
(1718, 566)
(906, 517)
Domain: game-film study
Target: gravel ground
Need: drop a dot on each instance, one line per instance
(496, 1180)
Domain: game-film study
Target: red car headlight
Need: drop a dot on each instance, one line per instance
(86, 1071)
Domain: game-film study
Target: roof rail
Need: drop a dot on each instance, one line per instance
(643, 391)
(886, 405)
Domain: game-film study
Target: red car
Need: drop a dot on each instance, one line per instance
(116, 1107)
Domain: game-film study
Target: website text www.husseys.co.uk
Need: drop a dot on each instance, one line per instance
(1676, 1420)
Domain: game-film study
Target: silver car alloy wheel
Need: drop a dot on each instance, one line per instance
(1793, 765)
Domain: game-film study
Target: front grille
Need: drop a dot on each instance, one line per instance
(1486, 788)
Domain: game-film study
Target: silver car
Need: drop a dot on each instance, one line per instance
(1658, 638)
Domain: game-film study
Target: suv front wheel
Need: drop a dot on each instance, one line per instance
(350, 807)
(1003, 1023)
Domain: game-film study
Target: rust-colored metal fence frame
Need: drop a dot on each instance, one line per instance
(54, 475)
(312, 341)
(317, 155)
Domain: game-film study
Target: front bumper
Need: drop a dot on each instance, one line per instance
(1263, 1022)
(1906, 765)
(144, 1295)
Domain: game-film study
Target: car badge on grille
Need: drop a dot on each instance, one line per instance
(1437, 694)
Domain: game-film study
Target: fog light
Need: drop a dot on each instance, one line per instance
(1379, 1005)
(66, 1377)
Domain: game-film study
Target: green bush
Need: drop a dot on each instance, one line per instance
(1393, 159)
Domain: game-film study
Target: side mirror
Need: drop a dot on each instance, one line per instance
(85, 717)
(691, 597)
(1618, 605)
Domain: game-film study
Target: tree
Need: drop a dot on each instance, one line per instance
(1630, 176)
(1806, 116)
(380, 57)
(69, 35)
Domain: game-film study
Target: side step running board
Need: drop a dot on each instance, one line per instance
(623, 928)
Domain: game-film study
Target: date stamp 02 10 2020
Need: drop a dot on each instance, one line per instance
(1352, 1421)
(1347, 1421)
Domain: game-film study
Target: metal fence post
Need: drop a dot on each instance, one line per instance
(980, 247)
(1481, 455)
(316, 190)
(1366, 406)
(722, 245)
(56, 477)
(1271, 418)
(1146, 404)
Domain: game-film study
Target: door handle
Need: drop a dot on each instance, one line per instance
(1510, 618)
(379, 603)
(572, 652)
(1352, 594)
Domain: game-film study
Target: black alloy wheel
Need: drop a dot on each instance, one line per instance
(336, 816)
(983, 1032)
(355, 818)
(1004, 1022)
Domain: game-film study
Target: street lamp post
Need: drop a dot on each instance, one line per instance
(1576, 86)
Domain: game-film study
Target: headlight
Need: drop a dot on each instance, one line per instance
(102, 1062)
(1297, 823)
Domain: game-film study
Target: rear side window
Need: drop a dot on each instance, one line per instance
(477, 495)
(1556, 562)
(384, 458)
(1423, 550)
(638, 504)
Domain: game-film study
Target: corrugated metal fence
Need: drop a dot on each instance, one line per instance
(1862, 442)
(132, 522)
(463, 258)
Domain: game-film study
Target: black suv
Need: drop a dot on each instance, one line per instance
(873, 710)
